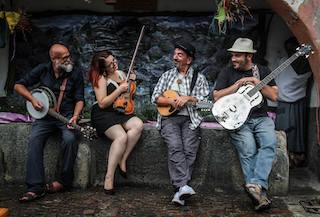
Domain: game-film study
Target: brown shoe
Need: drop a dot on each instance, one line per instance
(258, 196)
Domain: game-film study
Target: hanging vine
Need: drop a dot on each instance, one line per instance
(229, 12)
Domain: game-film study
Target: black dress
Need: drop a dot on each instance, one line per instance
(103, 119)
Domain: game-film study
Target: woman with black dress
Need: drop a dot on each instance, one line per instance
(124, 130)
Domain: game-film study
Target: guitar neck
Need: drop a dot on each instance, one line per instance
(273, 74)
(61, 118)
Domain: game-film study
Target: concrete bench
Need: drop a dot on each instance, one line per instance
(217, 166)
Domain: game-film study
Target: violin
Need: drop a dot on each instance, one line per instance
(125, 103)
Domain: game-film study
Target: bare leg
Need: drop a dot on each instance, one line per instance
(119, 139)
(134, 127)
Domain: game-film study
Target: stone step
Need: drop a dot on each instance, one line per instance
(217, 167)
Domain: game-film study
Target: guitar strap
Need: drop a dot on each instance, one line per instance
(193, 81)
(62, 89)
(255, 71)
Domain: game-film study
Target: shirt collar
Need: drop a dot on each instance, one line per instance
(189, 72)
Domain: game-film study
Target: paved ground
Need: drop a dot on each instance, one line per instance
(140, 201)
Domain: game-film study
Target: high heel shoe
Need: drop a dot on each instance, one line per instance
(109, 191)
(122, 173)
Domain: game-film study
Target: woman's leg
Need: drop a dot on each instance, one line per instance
(134, 127)
(119, 139)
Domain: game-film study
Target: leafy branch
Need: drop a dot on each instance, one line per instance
(229, 12)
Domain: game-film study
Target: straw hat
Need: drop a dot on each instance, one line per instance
(242, 45)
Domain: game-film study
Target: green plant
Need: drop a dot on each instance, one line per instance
(228, 12)
(149, 112)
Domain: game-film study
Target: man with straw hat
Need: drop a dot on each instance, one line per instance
(255, 140)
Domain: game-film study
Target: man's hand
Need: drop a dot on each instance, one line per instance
(37, 105)
(181, 101)
(246, 80)
(72, 121)
(172, 102)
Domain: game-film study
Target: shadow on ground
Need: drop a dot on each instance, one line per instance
(133, 201)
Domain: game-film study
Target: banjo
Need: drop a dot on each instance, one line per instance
(48, 99)
(232, 111)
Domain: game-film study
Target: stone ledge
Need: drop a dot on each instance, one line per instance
(217, 166)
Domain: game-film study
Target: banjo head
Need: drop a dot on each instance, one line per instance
(35, 113)
(44, 95)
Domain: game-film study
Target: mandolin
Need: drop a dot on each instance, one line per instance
(169, 109)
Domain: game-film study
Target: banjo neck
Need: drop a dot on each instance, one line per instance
(61, 118)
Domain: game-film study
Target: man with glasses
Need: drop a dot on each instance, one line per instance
(67, 85)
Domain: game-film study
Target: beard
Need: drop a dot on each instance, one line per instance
(66, 67)
(241, 65)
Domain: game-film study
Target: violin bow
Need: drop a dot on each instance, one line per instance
(135, 52)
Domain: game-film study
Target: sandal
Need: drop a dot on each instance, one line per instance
(31, 196)
(51, 188)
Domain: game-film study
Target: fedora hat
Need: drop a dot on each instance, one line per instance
(242, 45)
(186, 47)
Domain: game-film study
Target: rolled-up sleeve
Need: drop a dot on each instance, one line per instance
(201, 90)
(33, 77)
(159, 88)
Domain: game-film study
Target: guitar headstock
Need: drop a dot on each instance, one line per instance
(89, 132)
(304, 50)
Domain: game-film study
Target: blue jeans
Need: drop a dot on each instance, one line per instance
(256, 143)
(41, 130)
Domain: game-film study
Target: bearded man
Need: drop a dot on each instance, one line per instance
(68, 87)
(255, 141)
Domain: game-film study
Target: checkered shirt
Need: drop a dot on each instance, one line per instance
(200, 91)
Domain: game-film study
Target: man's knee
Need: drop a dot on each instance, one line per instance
(69, 139)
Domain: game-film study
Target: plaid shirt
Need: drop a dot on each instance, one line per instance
(200, 91)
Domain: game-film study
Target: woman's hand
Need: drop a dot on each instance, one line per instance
(132, 76)
(123, 87)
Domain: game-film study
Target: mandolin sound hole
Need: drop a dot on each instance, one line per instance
(171, 109)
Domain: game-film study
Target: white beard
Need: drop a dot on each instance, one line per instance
(67, 68)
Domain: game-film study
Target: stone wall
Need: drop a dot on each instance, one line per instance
(217, 166)
(313, 145)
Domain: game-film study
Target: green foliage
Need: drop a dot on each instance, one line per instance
(8, 104)
(148, 112)
(228, 12)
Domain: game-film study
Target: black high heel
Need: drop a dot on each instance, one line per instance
(109, 191)
(122, 173)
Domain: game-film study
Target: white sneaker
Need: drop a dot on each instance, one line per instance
(176, 199)
(185, 192)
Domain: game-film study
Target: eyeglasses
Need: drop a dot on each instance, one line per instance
(112, 63)
(66, 59)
